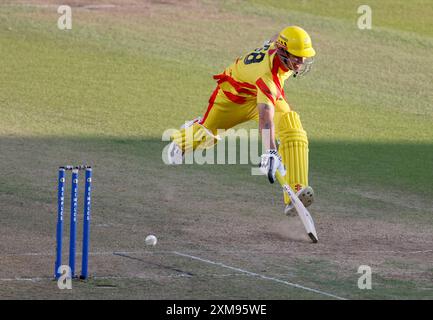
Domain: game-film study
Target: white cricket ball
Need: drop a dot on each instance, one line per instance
(151, 240)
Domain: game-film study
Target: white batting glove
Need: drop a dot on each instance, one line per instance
(270, 163)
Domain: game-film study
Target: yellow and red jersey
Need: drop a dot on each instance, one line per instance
(259, 75)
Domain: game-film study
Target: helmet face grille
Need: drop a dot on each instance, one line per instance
(306, 67)
(289, 60)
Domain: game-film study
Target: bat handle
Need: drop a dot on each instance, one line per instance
(280, 178)
(271, 165)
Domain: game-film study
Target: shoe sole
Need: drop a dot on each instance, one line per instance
(307, 196)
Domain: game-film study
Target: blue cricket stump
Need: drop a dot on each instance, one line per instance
(60, 210)
(86, 223)
(73, 229)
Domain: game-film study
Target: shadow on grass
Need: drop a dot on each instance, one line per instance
(27, 165)
(404, 166)
(399, 165)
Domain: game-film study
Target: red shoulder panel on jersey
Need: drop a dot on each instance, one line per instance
(262, 86)
(277, 65)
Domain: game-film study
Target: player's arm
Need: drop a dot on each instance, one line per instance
(271, 160)
(268, 94)
(266, 121)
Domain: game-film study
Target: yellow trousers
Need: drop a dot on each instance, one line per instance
(224, 113)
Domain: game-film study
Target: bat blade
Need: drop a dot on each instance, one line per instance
(303, 213)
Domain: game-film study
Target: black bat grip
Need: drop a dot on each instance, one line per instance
(271, 166)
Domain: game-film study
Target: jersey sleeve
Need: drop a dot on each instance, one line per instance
(268, 89)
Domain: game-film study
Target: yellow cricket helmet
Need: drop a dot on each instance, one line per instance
(296, 41)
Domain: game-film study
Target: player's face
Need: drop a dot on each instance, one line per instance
(299, 65)
(296, 62)
(291, 61)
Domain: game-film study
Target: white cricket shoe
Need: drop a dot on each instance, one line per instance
(306, 195)
(175, 154)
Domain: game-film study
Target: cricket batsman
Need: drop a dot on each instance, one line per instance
(252, 88)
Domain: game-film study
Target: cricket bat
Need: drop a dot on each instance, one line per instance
(303, 213)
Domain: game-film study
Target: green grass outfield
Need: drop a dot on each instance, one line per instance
(105, 91)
